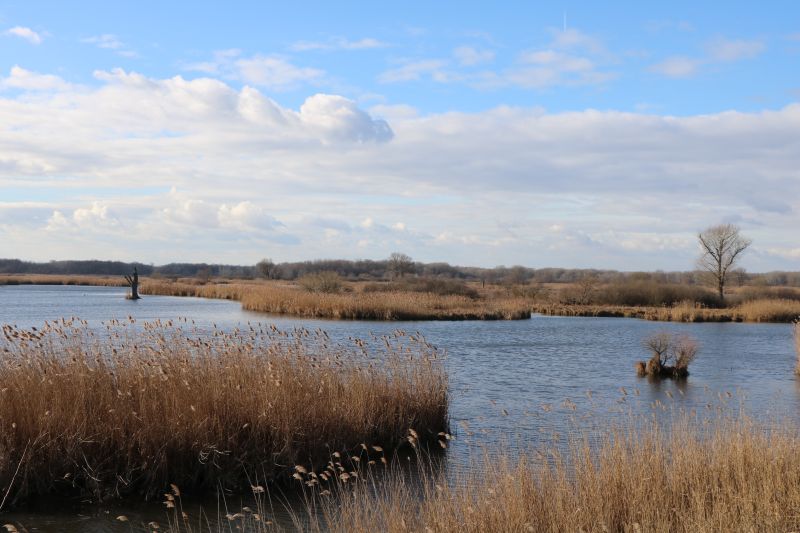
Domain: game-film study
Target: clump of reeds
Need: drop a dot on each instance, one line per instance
(728, 476)
(324, 282)
(671, 356)
(132, 407)
(768, 310)
(733, 479)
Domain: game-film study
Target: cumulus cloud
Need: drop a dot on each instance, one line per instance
(245, 216)
(25, 33)
(97, 217)
(20, 78)
(338, 118)
(252, 173)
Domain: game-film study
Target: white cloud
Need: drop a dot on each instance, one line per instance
(677, 67)
(96, 218)
(20, 78)
(726, 50)
(338, 118)
(414, 70)
(596, 188)
(470, 56)
(108, 41)
(25, 33)
(245, 216)
(339, 43)
(719, 50)
(571, 58)
(275, 73)
(272, 72)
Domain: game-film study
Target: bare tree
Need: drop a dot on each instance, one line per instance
(399, 265)
(265, 267)
(721, 247)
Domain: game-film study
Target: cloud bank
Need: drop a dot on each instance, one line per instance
(196, 169)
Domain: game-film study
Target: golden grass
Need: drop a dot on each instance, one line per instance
(736, 479)
(732, 476)
(134, 407)
(291, 300)
(752, 311)
(56, 279)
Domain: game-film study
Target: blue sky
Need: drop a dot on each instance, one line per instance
(558, 134)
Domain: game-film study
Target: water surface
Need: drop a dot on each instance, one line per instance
(513, 383)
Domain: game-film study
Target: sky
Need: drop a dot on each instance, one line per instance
(558, 134)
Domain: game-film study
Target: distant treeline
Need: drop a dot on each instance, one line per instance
(383, 269)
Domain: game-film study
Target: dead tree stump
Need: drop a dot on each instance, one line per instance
(133, 283)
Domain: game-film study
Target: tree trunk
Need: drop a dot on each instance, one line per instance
(133, 283)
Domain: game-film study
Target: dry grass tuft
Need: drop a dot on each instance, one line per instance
(129, 409)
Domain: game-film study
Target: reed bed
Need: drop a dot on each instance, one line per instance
(57, 279)
(353, 305)
(728, 476)
(733, 479)
(751, 311)
(127, 410)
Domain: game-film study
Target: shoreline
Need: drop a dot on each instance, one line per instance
(287, 299)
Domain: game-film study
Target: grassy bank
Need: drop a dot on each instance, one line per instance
(283, 298)
(772, 310)
(131, 409)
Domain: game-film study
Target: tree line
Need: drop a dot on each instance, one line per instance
(375, 270)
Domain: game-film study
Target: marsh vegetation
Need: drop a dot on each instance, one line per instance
(128, 409)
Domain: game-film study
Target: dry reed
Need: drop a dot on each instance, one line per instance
(396, 305)
(728, 476)
(133, 407)
(56, 279)
(751, 311)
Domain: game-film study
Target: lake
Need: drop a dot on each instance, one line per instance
(513, 383)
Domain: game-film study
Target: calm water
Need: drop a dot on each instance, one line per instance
(513, 383)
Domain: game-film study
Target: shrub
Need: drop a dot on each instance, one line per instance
(327, 282)
(671, 355)
(438, 286)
